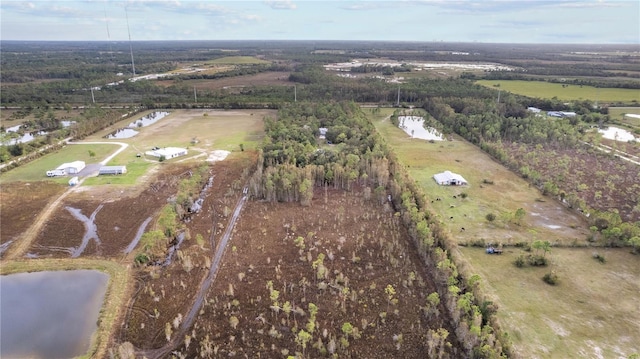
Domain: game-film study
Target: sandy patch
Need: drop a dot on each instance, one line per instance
(617, 134)
(217, 155)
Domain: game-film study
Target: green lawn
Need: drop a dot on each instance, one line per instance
(35, 170)
(578, 318)
(135, 169)
(543, 89)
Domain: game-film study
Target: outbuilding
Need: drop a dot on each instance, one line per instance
(448, 178)
(167, 152)
(112, 170)
(72, 167)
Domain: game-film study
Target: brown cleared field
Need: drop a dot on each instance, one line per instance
(589, 314)
(261, 79)
(359, 249)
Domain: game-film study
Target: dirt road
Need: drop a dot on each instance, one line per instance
(188, 320)
(23, 243)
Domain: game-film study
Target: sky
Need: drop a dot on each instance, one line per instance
(489, 21)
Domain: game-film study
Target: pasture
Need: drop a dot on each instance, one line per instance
(565, 92)
(35, 170)
(618, 114)
(579, 317)
(200, 131)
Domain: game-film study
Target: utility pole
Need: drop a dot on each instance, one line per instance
(93, 99)
(195, 94)
(398, 101)
(133, 66)
(295, 93)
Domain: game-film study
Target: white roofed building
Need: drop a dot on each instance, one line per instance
(72, 167)
(168, 152)
(448, 178)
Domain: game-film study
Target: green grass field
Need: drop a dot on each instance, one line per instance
(35, 170)
(617, 113)
(543, 89)
(577, 318)
(212, 130)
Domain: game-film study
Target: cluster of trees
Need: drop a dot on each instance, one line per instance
(360, 158)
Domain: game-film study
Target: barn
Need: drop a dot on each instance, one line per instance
(167, 152)
(112, 170)
(448, 178)
(72, 167)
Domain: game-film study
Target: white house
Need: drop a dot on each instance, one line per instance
(112, 170)
(323, 132)
(448, 178)
(167, 152)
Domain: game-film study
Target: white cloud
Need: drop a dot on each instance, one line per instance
(281, 4)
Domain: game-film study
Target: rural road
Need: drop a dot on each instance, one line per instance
(188, 320)
(24, 242)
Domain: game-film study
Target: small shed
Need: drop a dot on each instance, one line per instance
(73, 181)
(112, 170)
(323, 132)
(448, 178)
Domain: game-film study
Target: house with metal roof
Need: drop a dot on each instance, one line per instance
(167, 152)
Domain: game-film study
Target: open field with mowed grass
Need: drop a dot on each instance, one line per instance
(589, 314)
(617, 113)
(36, 170)
(212, 129)
(592, 313)
(543, 89)
(545, 219)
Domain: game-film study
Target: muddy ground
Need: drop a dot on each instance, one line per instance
(360, 244)
(365, 250)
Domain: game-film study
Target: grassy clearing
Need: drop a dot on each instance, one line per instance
(544, 89)
(135, 170)
(617, 113)
(237, 60)
(502, 198)
(590, 313)
(35, 170)
(115, 297)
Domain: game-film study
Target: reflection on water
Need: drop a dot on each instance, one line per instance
(414, 126)
(49, 314)
(149, 119)
(122, 133)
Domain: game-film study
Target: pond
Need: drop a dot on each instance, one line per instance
(149, 119)
(414, 127)
(122, 133)
(50, 314)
